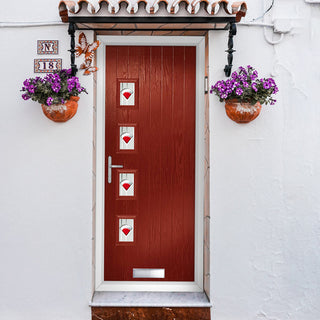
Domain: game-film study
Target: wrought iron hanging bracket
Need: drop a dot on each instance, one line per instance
(232, 32)
(71, 31)
(99, 24)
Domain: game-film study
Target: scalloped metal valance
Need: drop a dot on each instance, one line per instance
(178, 17)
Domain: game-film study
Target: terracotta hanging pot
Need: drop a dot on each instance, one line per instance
(242, 112)
(61, 112)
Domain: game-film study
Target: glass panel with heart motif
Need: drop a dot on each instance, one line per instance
(127, 93)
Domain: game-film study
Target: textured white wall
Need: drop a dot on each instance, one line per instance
(46, 183)
(264, 180)
(265, 175)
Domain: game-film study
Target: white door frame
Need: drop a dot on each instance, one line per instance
(100, 284)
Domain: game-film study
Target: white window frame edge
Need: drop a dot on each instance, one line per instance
(100, 284)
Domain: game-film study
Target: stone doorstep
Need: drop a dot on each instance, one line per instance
(150, 299)
(150, 306)
(150, 313)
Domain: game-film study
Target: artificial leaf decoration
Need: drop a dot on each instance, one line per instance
(86, 66)
(85, 48)
(88, 50)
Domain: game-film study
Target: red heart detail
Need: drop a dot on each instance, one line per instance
(126, 231)
(127, 95)
(126, 139)
(126, 185)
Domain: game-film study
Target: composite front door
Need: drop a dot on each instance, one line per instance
(150, 163)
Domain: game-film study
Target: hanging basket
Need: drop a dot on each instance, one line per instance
(61, 112)
(242, 112)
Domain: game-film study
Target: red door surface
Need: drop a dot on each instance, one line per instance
(150, 131)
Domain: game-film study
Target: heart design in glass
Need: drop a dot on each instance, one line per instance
(127, 93)
(126, 137)
(126, 229)
(126, 184)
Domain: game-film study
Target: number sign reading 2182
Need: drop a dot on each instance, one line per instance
(47, 65)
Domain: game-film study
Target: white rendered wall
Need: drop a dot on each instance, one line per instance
(46, 183)
(265, 204)
(265, 178)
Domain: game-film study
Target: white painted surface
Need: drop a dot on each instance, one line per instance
(46, 183)
(265, 177)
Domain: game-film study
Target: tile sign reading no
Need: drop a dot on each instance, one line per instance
(46, 65)
(47, 46)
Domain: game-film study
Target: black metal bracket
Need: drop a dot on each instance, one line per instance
(71, 30)
(152, 20)
(232, 32)
(81, 23)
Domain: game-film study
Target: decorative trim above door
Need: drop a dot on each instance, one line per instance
(184, 17)
(215, 12)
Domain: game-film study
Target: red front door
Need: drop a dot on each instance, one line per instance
(150, 131)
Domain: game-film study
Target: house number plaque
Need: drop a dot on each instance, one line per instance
(47, 65)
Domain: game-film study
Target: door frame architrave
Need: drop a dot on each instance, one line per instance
(98, 261)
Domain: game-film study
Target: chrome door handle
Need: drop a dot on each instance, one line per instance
(110, 167)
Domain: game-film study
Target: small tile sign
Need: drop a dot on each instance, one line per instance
(47, 46)
(47, 65)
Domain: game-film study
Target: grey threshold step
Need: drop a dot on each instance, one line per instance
(149, 299)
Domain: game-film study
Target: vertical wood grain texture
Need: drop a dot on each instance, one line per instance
(165, 161)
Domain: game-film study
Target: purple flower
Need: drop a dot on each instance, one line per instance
(66, 71)
(31, 88)
(243, 77)
(52, 78)
(271, 82)
(243, 83)
(48, 90)
(25, 96)
(266, 85)
(56, 87)
(254, 75)
(239, 91)
(73, 82)
(254, 87)
(49, 101)
(229, 83)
